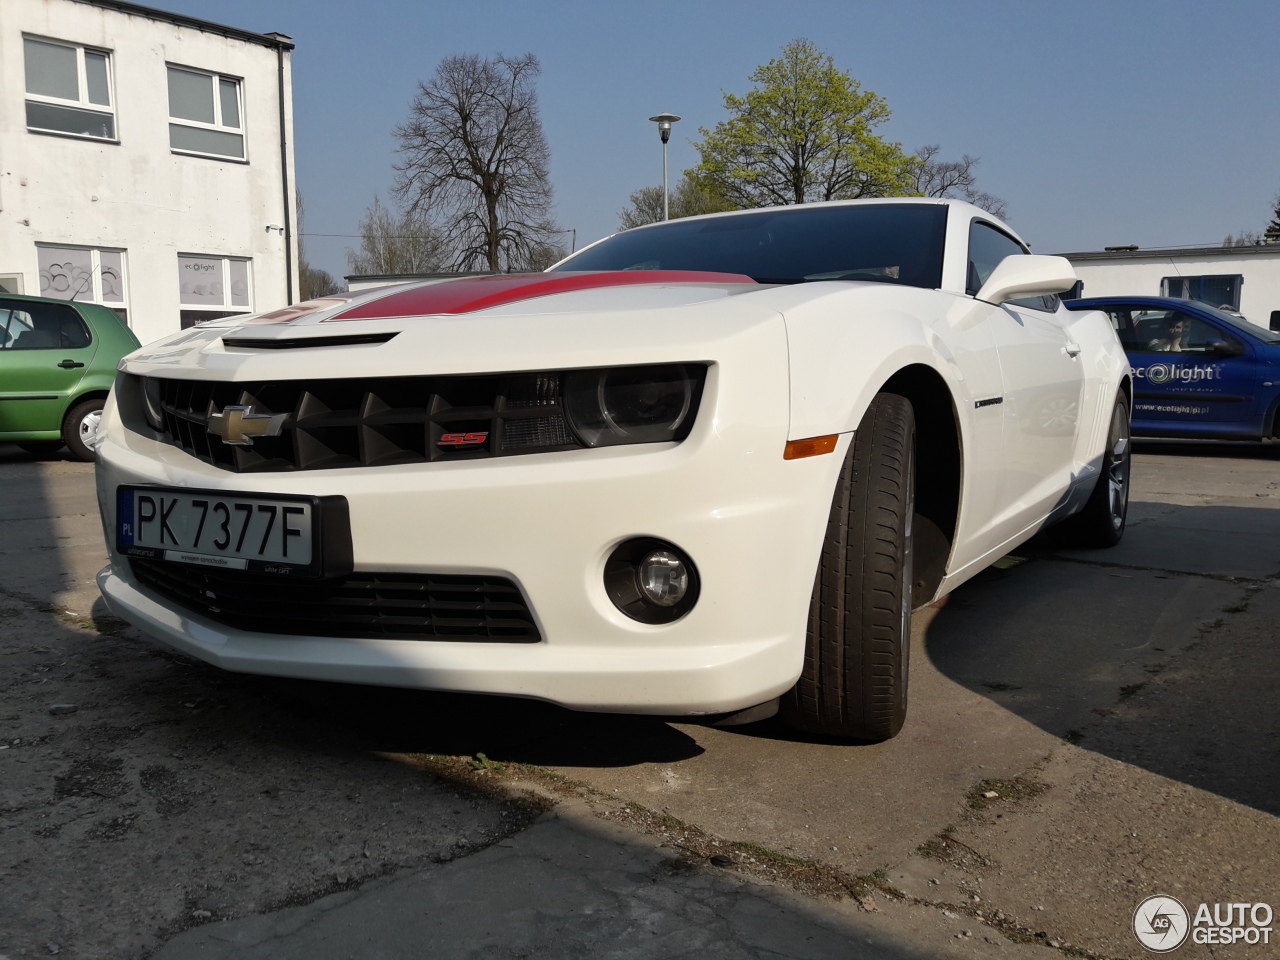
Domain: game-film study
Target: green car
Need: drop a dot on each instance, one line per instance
(57, 363)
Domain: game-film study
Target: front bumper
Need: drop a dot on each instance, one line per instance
(752, 522)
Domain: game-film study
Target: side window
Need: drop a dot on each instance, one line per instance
(41, 326)
(14, 322)
(987, 247)
(1122, 321)
(1197, 334)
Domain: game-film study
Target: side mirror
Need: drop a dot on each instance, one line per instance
(1028, 275)
(1275, 319)
(1224, 348)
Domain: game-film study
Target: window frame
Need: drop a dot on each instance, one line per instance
(1237, 282)
(1045, 304)
(64, 315)
(217, 126)
(227, 308)
(93, 294)
(82, 89)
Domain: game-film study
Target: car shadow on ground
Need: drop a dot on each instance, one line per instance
(1134, 652)
(516, 730)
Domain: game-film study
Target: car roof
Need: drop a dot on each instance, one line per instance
(1166, 303)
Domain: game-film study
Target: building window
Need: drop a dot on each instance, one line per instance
(1221, 291)
(205, 115)
(210, 288)
(84, 274)
(68, 89)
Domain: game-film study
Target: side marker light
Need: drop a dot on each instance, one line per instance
(812, 447)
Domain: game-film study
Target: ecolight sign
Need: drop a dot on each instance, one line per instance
(1177, 373)
(1162, 924)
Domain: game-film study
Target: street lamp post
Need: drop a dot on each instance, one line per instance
(664, 122)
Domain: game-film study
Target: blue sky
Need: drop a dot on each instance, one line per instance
(1147, 121)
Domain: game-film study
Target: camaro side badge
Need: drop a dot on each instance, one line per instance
(239, 425)
(989, 402)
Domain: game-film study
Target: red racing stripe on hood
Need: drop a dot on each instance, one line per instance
(468, 294)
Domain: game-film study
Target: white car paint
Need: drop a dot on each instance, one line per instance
(1031, 390)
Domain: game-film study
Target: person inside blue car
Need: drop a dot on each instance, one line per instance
(1171, 339)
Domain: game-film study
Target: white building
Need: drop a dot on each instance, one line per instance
(1246, 279)
(146, 162)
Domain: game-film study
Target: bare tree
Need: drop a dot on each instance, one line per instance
(312, 281)
(953, 178)
(688, 199)
(391, 244)
(1247, 238)
(474, 162)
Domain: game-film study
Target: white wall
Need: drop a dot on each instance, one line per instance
(137, 194)
(1140, 275)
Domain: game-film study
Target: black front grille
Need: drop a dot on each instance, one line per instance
(371, 422)
(360, 605)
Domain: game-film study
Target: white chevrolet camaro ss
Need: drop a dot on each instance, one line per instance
(705, 467)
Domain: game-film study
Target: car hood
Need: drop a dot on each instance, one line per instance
(472, 325)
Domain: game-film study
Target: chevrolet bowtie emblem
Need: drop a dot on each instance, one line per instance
(239, 425)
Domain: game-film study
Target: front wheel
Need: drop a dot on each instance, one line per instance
(854, 681)
(80, 429)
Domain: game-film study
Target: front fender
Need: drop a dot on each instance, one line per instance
(843, 349)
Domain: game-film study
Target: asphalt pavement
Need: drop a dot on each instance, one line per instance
(1118, 706)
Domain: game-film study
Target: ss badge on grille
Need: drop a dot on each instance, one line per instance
(239, 425)
(463, 439)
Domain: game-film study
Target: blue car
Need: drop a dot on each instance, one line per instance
(1198, 370)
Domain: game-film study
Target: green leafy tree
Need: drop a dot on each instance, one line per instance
(805, 132)
(689, 199)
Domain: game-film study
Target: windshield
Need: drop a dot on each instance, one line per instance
(1240, 323)
(887, 242)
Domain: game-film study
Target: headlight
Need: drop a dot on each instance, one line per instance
(153, 406)
(633, 404)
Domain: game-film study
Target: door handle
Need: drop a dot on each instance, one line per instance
(70, 364)
(1071, 349)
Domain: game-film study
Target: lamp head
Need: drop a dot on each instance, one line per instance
(664, 122)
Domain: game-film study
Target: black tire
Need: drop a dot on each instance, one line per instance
(1101, 522)
(41, 448)
(854, 681)
(78, 427)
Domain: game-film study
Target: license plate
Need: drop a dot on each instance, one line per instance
(263, 534)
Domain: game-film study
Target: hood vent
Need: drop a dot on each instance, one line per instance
(302, 343)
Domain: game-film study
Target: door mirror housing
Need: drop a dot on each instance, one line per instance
(1224, 348)
(1028, 275)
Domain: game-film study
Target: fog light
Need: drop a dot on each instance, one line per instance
(650, 580)
(664, 579)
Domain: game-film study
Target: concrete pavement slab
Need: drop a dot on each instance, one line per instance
(569, 888)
